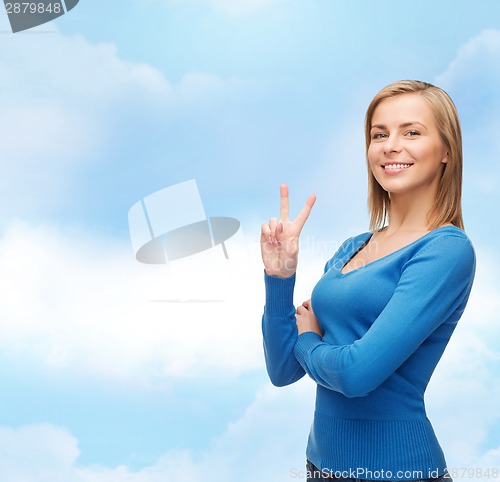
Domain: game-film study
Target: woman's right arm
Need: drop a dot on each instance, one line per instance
(279, 247)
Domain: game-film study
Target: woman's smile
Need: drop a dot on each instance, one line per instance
(395, 168)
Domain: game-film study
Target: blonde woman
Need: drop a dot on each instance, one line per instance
(383, 312)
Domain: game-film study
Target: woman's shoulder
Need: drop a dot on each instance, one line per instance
(446, 247)
(447, 235)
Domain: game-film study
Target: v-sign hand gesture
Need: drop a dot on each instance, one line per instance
(279, 240)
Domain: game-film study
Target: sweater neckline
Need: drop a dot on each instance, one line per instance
(365, 238)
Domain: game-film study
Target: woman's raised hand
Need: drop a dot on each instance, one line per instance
(279, 240)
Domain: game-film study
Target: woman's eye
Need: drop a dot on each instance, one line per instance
(413, 133)
(379, 135)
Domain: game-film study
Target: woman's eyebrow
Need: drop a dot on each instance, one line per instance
(401, 126)
(413, 123)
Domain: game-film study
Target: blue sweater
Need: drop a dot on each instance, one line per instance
(385, 327)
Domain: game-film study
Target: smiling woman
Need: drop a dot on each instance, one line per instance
(380, 317)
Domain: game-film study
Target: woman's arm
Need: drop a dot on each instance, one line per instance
(434, 285)
(280, 332)
(279, 243)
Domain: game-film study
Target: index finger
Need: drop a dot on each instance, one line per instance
(284, 202)
(305, 211)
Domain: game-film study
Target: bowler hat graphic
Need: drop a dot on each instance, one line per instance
(171, 224)
(25, 15)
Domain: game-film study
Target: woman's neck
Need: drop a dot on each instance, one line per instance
(409, 213)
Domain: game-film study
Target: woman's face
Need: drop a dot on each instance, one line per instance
(406, 153)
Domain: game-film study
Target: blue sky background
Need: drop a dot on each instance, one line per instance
(116, 100)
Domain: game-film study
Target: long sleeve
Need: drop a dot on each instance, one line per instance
(432, 291)
(280, 331)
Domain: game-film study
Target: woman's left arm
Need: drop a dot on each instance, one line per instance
(433, 288)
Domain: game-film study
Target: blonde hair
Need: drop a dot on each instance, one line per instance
(447, 207)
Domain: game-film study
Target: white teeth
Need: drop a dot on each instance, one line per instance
(397, 166)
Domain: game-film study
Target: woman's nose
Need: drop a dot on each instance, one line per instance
(392, 144)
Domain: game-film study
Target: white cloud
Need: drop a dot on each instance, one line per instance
(55, 100)
(489, 464)
(472, 78)
(80, 303)
(267, 443)
(76, 303)
(55, 67)
(61, 101)
(71, 71)
(475, 71)
(42, 453)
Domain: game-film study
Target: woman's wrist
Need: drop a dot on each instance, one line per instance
(278, 274)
